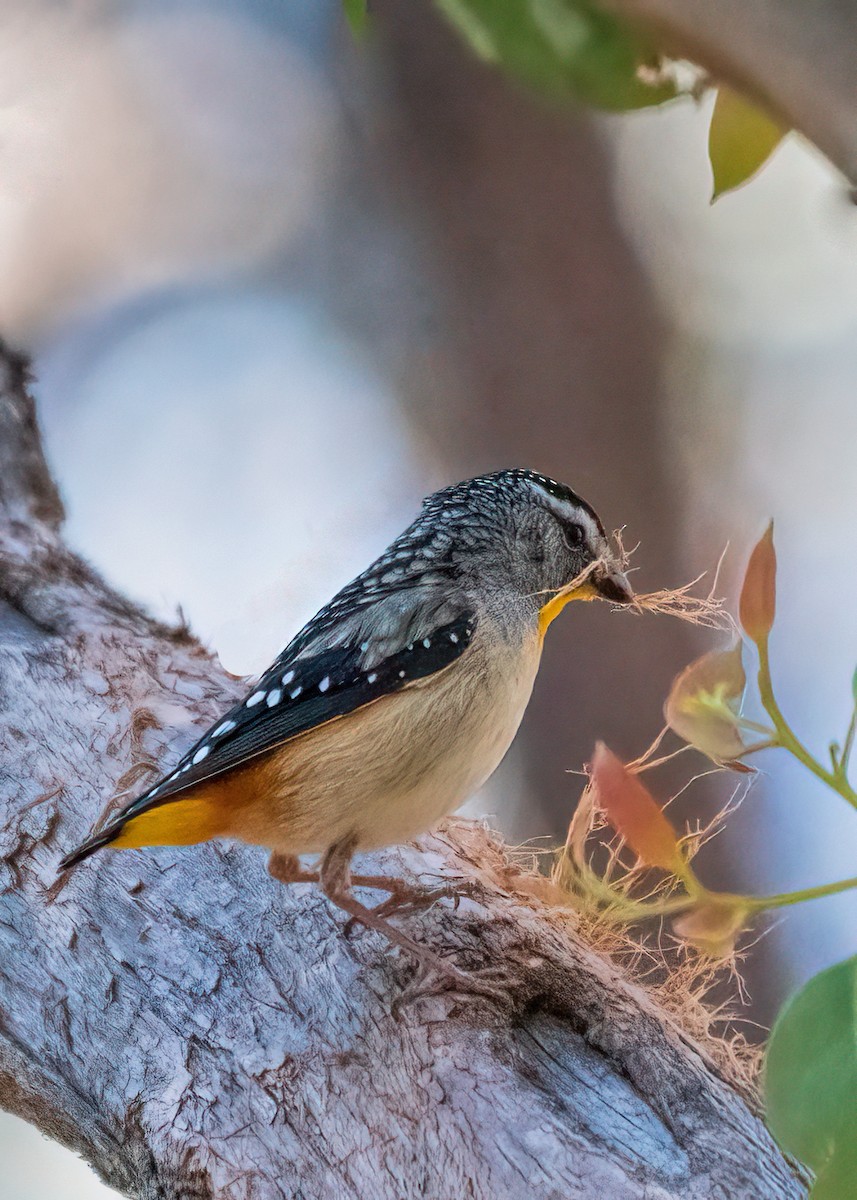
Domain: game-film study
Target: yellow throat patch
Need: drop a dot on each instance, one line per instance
(550, 611)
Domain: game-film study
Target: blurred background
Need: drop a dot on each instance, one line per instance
(278, 285)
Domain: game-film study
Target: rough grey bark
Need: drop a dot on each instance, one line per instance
(196, 1030)
(799, 56)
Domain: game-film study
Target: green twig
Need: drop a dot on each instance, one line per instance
(848, 746)
(760, 903)
(836, 779)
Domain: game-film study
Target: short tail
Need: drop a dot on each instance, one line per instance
(177, 821)
(95, 842)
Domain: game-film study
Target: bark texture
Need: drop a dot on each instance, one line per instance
(798, 56)
(196, 1030)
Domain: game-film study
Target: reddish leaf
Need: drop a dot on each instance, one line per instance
(713, 925)
(757, 607)
(703, 703)
(741, 768)
(634, 813)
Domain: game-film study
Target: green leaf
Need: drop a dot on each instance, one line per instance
(836, 1181)
(565, 48)
(704, 704)
(740, 141)
(811, 1079)
(357, 16)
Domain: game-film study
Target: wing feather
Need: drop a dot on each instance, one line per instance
(300, 692)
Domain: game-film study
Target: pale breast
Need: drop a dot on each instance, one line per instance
(391, 770)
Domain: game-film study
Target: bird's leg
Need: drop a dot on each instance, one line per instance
(287, 869)
(407, 898)
(435, 974)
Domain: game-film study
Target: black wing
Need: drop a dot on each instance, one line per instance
(295, 695)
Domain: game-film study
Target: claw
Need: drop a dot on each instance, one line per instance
(434, 975)
(406, 900)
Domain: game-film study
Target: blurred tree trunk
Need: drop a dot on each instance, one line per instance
(550, 357)
(198, 1031)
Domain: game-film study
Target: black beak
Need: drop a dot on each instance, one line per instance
(613, 586)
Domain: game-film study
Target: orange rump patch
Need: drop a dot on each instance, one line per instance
(175, 823)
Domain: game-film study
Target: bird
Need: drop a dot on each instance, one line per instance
(395, 703)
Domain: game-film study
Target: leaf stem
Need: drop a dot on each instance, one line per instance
(760, 903)
(848, 745)
(753, 726)
(789, 740)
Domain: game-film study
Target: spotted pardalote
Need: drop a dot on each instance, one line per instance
(398, 699)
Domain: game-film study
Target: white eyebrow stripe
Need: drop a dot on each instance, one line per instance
(569, 511)
(594, 536)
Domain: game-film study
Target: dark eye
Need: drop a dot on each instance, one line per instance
(574, 535)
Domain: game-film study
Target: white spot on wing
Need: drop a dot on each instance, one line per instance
(372, 677)
(324, 684)
(288, 677)
(256, 698)
(274, 697)
(294, 695)
(201, 753)
(225, 727)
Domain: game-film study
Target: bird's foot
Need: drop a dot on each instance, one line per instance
(405, 899)
(434, 975)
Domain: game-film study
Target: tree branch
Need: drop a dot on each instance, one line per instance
(799, 57)
(27, 492)
(196, 1030)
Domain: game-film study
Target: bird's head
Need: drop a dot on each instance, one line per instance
(521, 531)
